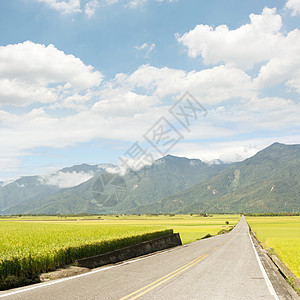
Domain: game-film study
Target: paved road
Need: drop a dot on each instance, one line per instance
(222, 267)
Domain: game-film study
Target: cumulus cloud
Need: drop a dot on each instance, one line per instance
(243, 47)
(33, 72)
(262, 42)
(294, 6)
(76, 6)
(40, 64)
(285, 65)
(74, 99)
(64, 7)
(121, 102)
(19, 93)
(211, 85)
(72, 6)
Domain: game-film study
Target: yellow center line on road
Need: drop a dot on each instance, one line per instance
(163, 279)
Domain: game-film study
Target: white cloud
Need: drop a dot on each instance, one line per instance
(210, 85)
(123, 103)
(243, 47)
(21, 133)
(66, 179)
(294, 6)
(230, 151)
(285, 65)
(116, 170)
(64, 7)
(40, 64)
(261, 42)
(74, 6)
(72, 99)
(145, 49)
(227, 151)
(91, 7)
(260, 114)
(145, 46)
(7, 181)
(159, 81)
(20, 93)
(32, 73)
(134, 3)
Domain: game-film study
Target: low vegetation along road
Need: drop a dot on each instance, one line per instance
(221, 267)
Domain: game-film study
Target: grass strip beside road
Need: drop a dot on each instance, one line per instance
(280, 236)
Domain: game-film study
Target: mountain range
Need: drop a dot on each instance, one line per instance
(267, 182)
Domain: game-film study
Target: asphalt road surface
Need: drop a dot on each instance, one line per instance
(222, 267)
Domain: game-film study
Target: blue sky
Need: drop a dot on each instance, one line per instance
(83, 80)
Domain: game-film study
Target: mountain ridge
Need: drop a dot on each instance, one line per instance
(269, 181)
(167, 175)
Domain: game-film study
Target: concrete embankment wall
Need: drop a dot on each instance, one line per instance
(144, 248)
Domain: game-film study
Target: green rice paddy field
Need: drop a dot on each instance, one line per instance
(282, 235)
(31, 245)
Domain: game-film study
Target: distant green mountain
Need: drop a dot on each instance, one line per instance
(267, 182)
(22, 190)
(65, 201)
(166, 176)
(17, 195)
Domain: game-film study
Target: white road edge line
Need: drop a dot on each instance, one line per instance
(269, 283)
(40, 285)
